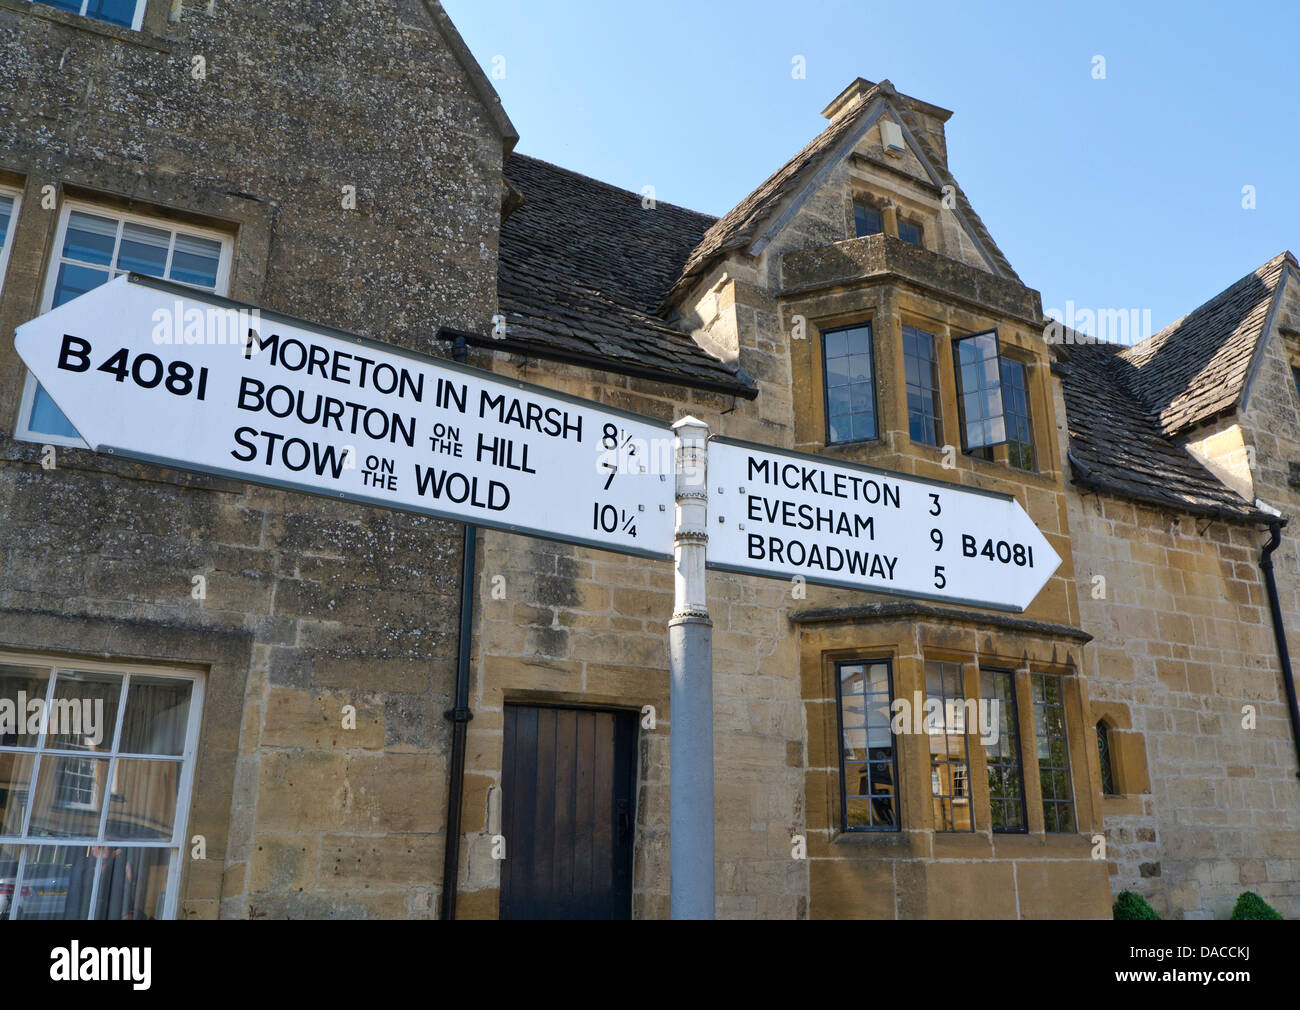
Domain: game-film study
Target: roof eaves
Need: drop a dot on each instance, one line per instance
(1084, 476)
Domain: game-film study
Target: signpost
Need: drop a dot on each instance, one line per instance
(297, 405)
(134, 366)
(784, 514)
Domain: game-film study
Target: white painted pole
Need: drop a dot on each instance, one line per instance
(690, 648)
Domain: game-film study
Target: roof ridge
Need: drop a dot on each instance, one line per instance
(1259, 271)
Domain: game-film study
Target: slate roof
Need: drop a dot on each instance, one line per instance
(584, 270)
(741, 225)
(1117, 446)
(1198, 367)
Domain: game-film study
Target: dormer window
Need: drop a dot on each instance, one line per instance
(909, 232)
(867, 220)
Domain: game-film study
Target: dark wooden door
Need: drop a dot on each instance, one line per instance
(568, 810)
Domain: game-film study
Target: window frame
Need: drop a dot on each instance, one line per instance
(1024, 367)
(935, 394)
(950, 761)
(961, 393)
(845, 827)
(22, 428)
(137, 19)
(875, 391)
(1018, 749)
(869, 205)
(188, 760)
(1043, 677)
(7, 239)
(920, 232)
(1105, 761)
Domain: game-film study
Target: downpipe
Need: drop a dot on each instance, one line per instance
(1279, 629)
(459, 713)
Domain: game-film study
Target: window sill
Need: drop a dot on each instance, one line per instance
(902, 844)
(1121, 804)
(140, 38)
(1035, 843)
(1002, 470)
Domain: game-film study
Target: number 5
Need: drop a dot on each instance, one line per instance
(940, 580)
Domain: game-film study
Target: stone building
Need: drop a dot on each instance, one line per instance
(350, 164)
(219, 144)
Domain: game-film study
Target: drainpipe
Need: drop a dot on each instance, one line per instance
(1279, 631)
(460, 714)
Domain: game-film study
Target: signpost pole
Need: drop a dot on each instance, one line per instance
(690, 648)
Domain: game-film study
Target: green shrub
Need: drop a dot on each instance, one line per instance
(1251, 906)
(1133, 906)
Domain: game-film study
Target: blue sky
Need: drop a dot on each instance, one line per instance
(1117, 193)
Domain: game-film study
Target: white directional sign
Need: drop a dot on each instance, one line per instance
(155, 371)
(784, 514)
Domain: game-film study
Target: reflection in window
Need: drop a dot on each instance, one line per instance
(1015, 399)
(949, 752)
(850, 384)
(96, 246)
(979, 391)
(868, 767)
(90, 800)
(921, 367)
(1005, 767)
(909, 232)
(1053, 756)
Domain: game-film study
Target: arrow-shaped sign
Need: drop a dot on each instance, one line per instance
(161, 372)
(786, 514)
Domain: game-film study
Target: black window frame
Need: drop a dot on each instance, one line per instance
(1016, 750)
(947, 800)
(868, 207)
(897, 796)
(957, 343)
(920, 232)
(1052, 826)
(1008, 413)
(935, 394)
(875, 392)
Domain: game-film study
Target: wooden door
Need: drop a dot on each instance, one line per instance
(568, 810)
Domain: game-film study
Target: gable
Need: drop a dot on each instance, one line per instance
(1199, 366)
(853, 141)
